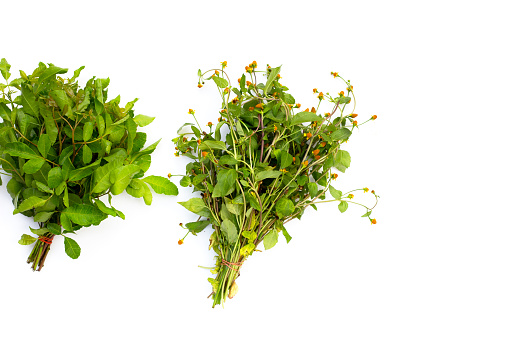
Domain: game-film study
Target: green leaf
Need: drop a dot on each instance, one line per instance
(43, 216)
(88, 130)
(341, 134)
(197, 226)
(31, 202)
(285, 233)
(84, 215)
(105, 209)
(313, 189)
(26, 240)
(29, 101)
(161, 185)
(343, 206)
(267, 174)
(72, 248)
(225, 183)
(87, 154)
(4, 68)
(185, 181)
(342, 158)
(83, 172)
(55, 177)
(270, 239)
(102, 174)
(143, 120)
(121, 177)
(50, 72)
(270, 79)
(335, 193)
(66, 223)
(211, 144)
(286, 159)
(284, 207)
(62, 100)
(249, 235)
(54, 228)
(33, 165)
(228, 160)
(44, 145)
(196, 205)
(230, 231)
(367, 214)
(220, 82)
(247, 250)
(19, 149)
(304, 117)
(150, 148)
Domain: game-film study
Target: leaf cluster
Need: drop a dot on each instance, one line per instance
(65, 147)
(262, 165)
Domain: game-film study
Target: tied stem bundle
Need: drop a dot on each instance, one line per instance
(265, 162)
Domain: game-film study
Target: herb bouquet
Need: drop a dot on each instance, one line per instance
(65, 147)
(274, 161)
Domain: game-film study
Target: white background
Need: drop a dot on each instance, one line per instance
(435, 265)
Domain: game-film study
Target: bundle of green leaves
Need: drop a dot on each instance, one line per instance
(265, 162)
(65, 147)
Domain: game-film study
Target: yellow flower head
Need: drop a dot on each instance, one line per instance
(216, 72)
(254, 64)
(373, 221)
(374, 117)
(315, 90)
(200, 85)
(349, 88)
(313, 110)
(327, 115)
(350, 196)
(226, 90)
(309, 135)
(316, 151)
(191, 111)
(248, 83)
(283, 170)
(320, 96)
(176, 154)
(169, 175)
(355, 122)
(180, 242)
(249, 69)
(275, 128)
(341, 93)
(335, 74)
(323, 143)
(366, 190)
(238, 80)
(317, 157)
(209, 124)
(305, 163)
(223, 64)
(198, 141)
(354, 115)
(334, 176)
(204, 154)
(298, 105)
(259, 105)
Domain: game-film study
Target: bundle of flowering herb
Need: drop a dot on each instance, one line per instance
(65, 147)
(273, 162)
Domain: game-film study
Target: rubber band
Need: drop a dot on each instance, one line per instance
(46, 240)
(227, 263)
